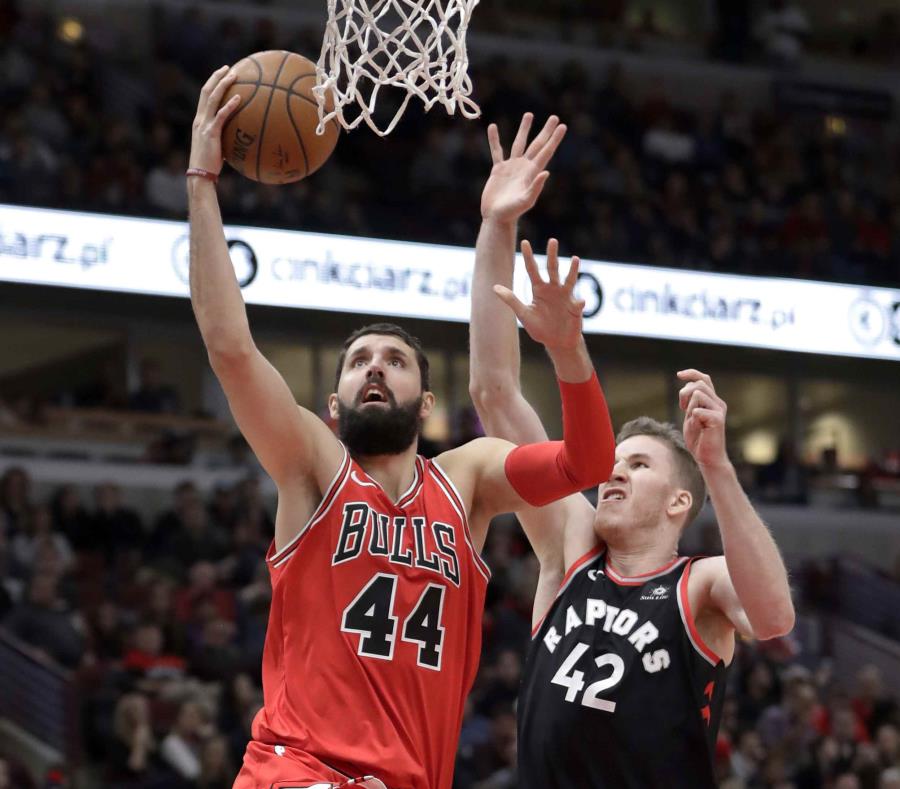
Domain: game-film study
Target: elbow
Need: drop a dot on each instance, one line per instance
(225, 356)
(492, 396)
(777, 624)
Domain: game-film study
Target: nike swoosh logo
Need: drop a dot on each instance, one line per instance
(592, 574)
(359, 481)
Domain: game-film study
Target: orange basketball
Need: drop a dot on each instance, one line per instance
(271, 137)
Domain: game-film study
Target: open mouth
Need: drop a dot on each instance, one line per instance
(613, 494)
(373, 393)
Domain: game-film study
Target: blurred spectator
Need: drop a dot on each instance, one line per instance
(132, 759)
(152, 394)
(44, 621)
(15, 491)
(38, 535)
(782, 30)
(117, 527)
(183, 746)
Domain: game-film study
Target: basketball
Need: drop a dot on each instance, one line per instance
(271, 137)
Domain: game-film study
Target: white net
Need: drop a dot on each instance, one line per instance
(418, 46)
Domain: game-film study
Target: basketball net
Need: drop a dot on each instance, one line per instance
(418, 46)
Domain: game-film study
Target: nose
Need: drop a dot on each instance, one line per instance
(618, 473)
(374, 371)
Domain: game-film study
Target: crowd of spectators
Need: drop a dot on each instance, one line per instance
(162, 620)
(87, 126)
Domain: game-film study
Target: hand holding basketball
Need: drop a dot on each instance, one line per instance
(554, 317)
(206, 132)
(704, 419)
(516, 183)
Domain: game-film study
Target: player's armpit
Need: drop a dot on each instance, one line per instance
(288, 440)
(716, 592)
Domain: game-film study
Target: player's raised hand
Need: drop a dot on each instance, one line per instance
(206, 132)
(704, 419)
(554, 317)
(515, 183)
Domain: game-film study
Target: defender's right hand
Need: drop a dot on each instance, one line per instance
(516, 183)
(206, 133)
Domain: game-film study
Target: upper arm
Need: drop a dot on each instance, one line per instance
(288, 440)
(716, 594)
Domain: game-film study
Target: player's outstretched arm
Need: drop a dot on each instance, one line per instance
(288, 440)
(513, 187)
(504, 478)
(750, 586)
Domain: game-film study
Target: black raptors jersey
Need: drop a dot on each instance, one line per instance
(619, 689)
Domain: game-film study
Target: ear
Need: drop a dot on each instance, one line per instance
(333, 405)
(427, 405)
(680, 503)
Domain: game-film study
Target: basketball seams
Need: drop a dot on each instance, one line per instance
(287, 101)
(265, 118)
(249, 101)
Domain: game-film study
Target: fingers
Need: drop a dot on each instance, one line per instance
(518, 146)
(537, 186)
(530, 264)
(510, 300)
(215, 96)
(226, 110)
(543, 157)
(572, 276)
(543, 136)
(700, 399)
(688, 390)
(705, 417)
(494, 143)
(553, 261)
(695, 375)
(212, 81)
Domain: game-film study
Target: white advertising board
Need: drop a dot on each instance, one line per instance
(336, 273)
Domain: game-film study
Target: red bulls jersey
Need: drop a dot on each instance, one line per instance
(375, 630)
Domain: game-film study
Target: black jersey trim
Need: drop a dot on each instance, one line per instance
(687, 619)
(278, 558)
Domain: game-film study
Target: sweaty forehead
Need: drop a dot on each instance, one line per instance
(373, 343)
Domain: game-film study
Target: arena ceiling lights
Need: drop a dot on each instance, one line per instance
(361, 275)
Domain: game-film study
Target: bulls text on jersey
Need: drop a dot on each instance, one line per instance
(410, 542)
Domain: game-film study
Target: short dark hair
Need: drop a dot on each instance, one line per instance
(689, 476)
(393, 330)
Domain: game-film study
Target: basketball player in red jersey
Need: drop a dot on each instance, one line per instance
(631, 642)
(378, 586)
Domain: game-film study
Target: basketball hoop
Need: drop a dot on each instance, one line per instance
(417, 46)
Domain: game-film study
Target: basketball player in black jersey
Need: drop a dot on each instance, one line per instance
(626, 671)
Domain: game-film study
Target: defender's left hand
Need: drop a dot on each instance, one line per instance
(554, 317)
(704, 419)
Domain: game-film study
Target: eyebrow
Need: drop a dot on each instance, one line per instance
(635, 456)
(391, 350)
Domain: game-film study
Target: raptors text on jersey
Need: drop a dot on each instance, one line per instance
(619, 689)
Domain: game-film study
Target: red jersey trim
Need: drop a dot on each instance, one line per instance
(340, 478)
(413, 490)
(687, 617)
(440, 477)
(638, 580)
(577, 565)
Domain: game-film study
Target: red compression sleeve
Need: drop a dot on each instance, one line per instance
(551, 470)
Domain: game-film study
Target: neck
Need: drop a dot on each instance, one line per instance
(630, 558)
(393, 472)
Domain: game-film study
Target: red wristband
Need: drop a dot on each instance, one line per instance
(202, 174)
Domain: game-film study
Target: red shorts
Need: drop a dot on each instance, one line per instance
(281, 767)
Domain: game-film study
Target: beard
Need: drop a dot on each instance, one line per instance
(379, 431)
